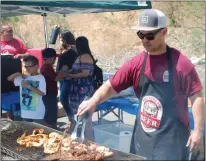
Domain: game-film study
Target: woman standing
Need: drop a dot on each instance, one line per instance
(81, 76)
(65, 62)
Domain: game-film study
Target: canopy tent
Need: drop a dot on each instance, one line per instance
(17, 8)
(66, 8)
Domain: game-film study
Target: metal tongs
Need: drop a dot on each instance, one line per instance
(83, 118)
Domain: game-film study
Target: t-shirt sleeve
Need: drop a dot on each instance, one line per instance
(42, 85)
(67, 59)
(191, 83)
(122, 78)
(23, 49)
(17, 81)
(48, 71)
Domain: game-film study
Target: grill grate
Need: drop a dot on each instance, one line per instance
(12, 154)
(10, 147)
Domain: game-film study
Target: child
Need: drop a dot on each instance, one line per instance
(32, 88)
(50, 99)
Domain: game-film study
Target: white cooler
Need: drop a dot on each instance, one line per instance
(115, 135)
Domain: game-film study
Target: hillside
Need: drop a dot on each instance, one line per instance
(110, 35)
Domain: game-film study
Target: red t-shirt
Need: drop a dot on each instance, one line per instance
(186, 80)
(51, 85)
(14, 46)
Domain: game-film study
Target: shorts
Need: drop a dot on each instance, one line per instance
(51, 109)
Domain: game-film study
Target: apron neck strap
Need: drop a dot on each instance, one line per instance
(143, 65)
(169, 58)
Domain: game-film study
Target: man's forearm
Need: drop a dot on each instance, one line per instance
(198, 111)
(103, 93)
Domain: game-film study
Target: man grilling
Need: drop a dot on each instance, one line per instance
(163, 80)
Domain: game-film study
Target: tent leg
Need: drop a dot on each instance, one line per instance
(45, 29)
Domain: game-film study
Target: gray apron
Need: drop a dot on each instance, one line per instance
(158, 133)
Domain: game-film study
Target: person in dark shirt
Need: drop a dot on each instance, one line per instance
(65, 62)
(69, 52)
(50, 99)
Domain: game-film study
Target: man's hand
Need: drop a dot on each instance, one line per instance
(20, 56)
(195, 138)
(86, 106)
(101, 95)
(24, 84)
(194, 141)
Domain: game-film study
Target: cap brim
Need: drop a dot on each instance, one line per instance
(142, 28)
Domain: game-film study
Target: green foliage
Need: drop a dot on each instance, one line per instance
(189, 3)
(171, 22)
(13, 19)
(197, 8)
(196, 32)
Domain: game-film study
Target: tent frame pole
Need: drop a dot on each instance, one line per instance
(45, 29)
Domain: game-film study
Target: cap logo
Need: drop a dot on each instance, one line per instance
(144, 19)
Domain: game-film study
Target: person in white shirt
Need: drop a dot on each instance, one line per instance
(32, 88)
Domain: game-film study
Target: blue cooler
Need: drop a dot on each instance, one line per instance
(11, 102)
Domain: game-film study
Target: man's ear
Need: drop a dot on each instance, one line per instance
(164, 31)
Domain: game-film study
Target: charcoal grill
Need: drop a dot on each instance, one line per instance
(10, 147)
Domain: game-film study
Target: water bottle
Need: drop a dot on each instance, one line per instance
(54, 35)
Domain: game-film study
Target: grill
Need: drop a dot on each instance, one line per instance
(10, 131)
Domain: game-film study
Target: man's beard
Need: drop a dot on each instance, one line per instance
(152, 48)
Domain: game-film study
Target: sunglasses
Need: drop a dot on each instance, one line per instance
(9, 31)
(28, 67)
(149, 36)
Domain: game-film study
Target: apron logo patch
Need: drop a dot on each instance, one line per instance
(151, 113)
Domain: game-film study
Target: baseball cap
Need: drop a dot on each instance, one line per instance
(151, 19)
